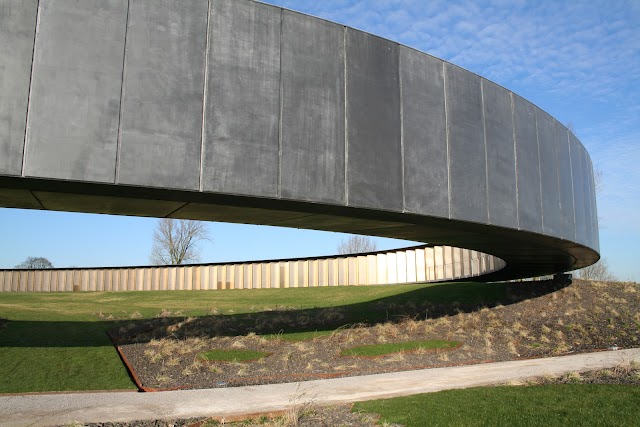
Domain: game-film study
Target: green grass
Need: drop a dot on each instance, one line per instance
(58, 342)
(232, 355)
(374, 350)
(548, 406)
(299, 336)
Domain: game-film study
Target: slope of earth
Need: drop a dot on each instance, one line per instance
(534, 319)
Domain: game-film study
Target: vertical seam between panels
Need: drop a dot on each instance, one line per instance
(446, 125)
(346, 120)
(26, 118)
(401, 129)
(123, 75)
(281, 109)
(515, 156)
(573, 194)
(204, 97)
(486, 162)
(559, 187)
(535, 116)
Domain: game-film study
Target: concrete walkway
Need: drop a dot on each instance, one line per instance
(55, 409)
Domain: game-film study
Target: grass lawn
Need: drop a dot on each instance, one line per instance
(547, 405)
(57, 341)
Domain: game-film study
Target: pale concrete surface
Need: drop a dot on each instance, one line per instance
(56, 409)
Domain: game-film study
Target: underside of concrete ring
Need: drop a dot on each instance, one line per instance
(238, 111)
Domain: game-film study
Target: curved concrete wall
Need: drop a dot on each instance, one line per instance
(239, 111)
(410, 265)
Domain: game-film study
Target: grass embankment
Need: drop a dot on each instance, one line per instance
(547, 405)
(58, 341)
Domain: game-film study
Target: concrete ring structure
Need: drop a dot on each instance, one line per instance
(238, 111)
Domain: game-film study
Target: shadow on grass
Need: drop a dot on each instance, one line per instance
(431, 302)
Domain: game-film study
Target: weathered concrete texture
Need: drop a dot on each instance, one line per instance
(374, 164)
(551, 219)
(594, 237)
(579, 197)
(17, 32)
(501, 167)
(241, 148)
(424, 134)
(567, 214)
(313, 114)
(584, 181)
(288, 119)
(528, 166)
(161, 117)
(72, 129)
(467, 157)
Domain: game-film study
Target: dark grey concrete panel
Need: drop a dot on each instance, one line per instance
(527, 166)
(586, 193)
(501, 162)
(424, 134)
(590, 191)
(567, 215)
(547, 144)
(313, 119)
(242, 99)
(75, 107)
(75, 94)
(467, 161)
(594, 238)
(374, 164)
(17, 30)
(161, 124)
(579, 198)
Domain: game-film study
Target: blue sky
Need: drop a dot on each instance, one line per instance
(577, 60)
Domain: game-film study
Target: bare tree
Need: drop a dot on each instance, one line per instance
(356, 245)
(34, 263)
(175, 241)
(598, 271)
(598, 179)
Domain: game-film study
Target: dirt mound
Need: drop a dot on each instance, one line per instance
(532, 320)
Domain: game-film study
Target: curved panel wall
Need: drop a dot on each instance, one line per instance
(238, 111)
(410, 265)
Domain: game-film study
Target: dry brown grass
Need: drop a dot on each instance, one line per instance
(572, 319)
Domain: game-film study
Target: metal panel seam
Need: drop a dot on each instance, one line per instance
(446, 125)
(281, 96)
(515, 157)
(573, 195)
(116, 175)
(346, 120)
(401, 127)
(535, 117)
(486, 162)
(26, 119)
(204, 95)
